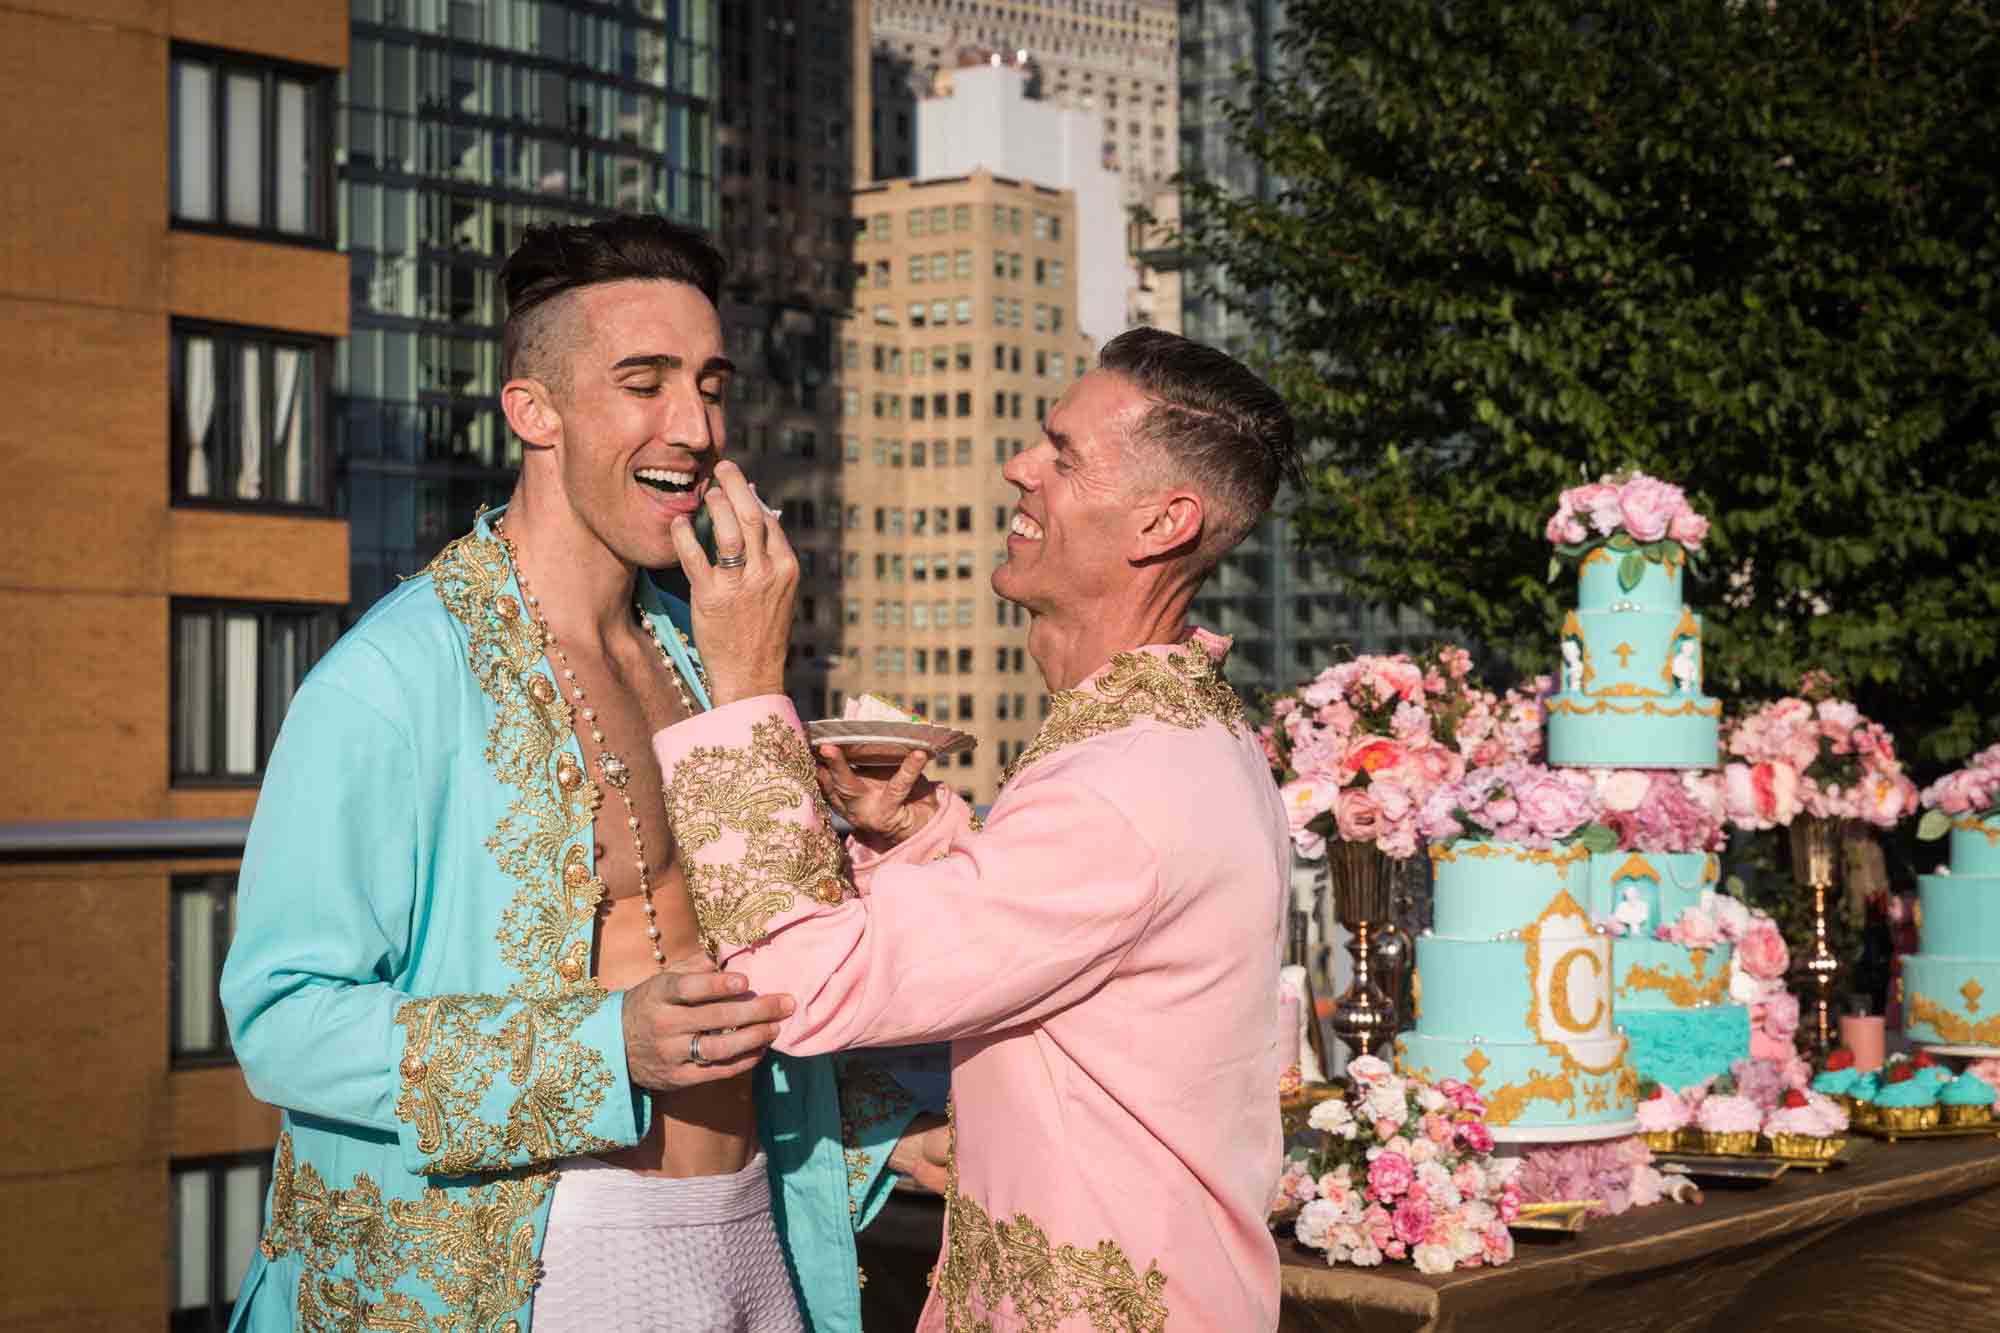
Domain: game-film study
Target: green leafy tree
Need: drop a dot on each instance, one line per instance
(1748, 247)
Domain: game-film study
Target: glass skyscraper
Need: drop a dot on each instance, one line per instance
(459, 123)
(1286, 605)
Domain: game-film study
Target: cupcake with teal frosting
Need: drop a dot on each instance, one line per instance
(1907, 1101)
(1837, 1079)
(1861, 1096)
(1967, 1100)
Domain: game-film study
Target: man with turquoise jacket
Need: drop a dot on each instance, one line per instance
(467, 967)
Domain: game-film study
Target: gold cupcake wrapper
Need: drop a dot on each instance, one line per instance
(1727, 1142)
(1966, 1115)
(1662, 1140)
(1906, 1117)
(1807, 1147)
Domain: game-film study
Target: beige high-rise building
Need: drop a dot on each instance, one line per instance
(1117, 62)
(962, 339)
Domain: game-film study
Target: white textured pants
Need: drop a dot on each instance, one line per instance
(658, 1255)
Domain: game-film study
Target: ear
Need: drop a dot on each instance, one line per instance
(1170, 525)
(532, 413)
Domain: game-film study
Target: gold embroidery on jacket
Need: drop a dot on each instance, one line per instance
(988, 1262)
(716, 789)
(458, 1047)
(1183, 689)
(475, 1247)
(868, 1096)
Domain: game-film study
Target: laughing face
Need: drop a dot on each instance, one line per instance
(641, 422)
(1068, 544)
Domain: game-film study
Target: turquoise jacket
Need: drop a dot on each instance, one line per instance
(410, 982)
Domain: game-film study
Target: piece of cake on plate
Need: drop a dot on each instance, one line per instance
(1966, 1100)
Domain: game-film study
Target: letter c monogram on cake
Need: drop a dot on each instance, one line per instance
(1559, 991)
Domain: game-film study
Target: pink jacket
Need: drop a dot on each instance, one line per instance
(1102, 955)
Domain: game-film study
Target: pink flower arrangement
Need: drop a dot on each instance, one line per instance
(1519, 803)
(1618, 1173)
(1972, 791)
(1659, 810)
(1814, 755)
(1359, 748)
(1642, 507)
(1757, 966)
(1404, 1172)
(1639, 516)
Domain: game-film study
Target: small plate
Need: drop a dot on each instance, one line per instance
(883, 744)
(1731, 1170)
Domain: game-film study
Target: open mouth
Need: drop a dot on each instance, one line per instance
(1025, 527)
(666, 480)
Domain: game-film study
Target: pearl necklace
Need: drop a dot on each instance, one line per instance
(615, 770)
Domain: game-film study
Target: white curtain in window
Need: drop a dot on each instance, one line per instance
(293, 166)
(242, 1222)
(195, 978)
(191, 1203)
(243, 175)
(250, 422)
(198, 367)
(290, 433)
(194, 689)
(239, 696)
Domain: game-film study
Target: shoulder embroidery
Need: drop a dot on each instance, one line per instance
(1183, 689)
(989, 1263)
(744, 789)
(450, 1058)
(475, 1247)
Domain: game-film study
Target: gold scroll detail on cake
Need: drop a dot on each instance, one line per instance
(1692, 708)
(1948, 1025)
(1682, 992)
(1687, 628)
(1531, 938)
(1635, 867)
(1442, 852)
(1990, 827)
(1972, 991)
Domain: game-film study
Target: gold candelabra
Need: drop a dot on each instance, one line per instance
(1363, 877)
(1816, 845)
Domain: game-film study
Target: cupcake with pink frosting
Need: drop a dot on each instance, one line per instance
(1806, 1125)
(1728, 1122)
(1662, 1117)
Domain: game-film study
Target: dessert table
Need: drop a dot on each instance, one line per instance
(1906, 1236)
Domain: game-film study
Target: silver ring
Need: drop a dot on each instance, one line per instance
(694, 1049)
(736, 561)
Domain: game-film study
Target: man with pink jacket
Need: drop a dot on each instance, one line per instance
(1103, 953)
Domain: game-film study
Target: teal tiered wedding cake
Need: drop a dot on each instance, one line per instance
(1951, 987)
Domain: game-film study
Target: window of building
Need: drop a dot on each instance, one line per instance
(235, 669)
(940, 313)
(965, 611)
(940, 219)
(999, 402)
(884, 315)
(917, 404)
(250, 145)
(964, 565)
(217, 1205)
(1000, 707)
(961, 217)
(1041, 318)
(961, 310)
(917, 218)
(1055, 319)
(962, 449)
(964, 661)
(1055, 273)
(879, 225)
(850, 445)
(852, 611)
(917, 312)
(920, 615)
(961, 264)
(940, 266)
(965, 708)
(249, 418)
(917, 452)
(203, 923)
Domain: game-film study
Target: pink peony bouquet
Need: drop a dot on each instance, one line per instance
(1618, 1173)
(1813, 754)
(1519, 803)
(1638, 517)
(1660, 810)
(1360, 747)
(1971, 792)
(1404, 1171)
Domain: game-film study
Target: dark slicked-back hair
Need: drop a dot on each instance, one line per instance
(1212, 424)
(552, 260)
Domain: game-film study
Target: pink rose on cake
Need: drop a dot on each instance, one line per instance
(1762, 950)
(1631, 507)
(1972, 790)
(1519, 803)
